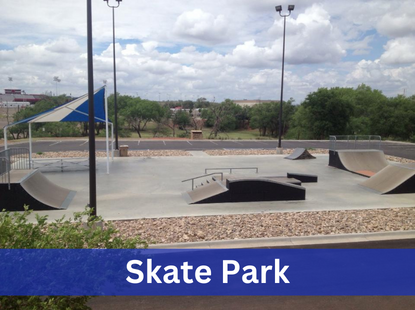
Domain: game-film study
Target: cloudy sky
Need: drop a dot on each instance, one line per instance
(215, 49)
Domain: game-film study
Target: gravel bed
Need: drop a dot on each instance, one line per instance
(259, 152)
(399, 159)
(265, 225)
(79, 154)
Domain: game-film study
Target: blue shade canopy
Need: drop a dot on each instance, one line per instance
(74, 111)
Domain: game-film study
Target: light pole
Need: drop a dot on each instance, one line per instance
(91, 112)
(7, 103)
(56, 80)
(278, 8)
(115, 71)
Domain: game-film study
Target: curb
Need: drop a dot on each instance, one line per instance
(283, 242)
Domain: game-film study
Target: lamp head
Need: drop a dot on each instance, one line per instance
(278, 8)
(291, 7)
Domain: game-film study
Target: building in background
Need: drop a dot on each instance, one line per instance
(17, 98)
(251, 103)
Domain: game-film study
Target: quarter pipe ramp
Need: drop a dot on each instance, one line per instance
(363, 162)
(392, 180)
(32, 188)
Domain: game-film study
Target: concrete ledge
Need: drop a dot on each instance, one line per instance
(397, 239)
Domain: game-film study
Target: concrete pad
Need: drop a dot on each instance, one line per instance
(152, 187)
(199, 153)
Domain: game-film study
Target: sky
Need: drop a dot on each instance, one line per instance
(216, 49)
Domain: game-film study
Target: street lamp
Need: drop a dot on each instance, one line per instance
(56, 80)
(115, 71)
(278, 8)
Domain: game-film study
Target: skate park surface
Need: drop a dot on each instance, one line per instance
(151, 187)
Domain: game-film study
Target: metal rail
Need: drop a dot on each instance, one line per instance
(230, 169)
(13, 159)
(202, 176)
(61, 164)
(355, 142)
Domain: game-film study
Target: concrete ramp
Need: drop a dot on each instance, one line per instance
(392, 180)
(364, 162)
(246, 190)
(202, 193)
(32, 188)
(300, 153)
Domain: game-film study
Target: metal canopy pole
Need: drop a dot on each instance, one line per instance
(92, 161)
(30, 146)
(106, 130)
(5, 136)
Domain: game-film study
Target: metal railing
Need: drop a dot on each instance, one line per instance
(231, 169)
(13, 159)
(18, 157)
(60, 164)
(355, 142)
(203, 176)
(5, 171)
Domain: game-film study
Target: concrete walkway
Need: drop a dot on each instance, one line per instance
(152, 187)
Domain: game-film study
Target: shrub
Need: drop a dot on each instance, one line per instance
(16, 232)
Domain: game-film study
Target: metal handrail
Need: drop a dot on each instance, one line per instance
(19, 158)
(352, 141)
(230, 169)
(202, 176)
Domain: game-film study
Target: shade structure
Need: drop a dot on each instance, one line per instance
(73, 111)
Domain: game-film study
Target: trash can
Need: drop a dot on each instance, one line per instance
(196, 135)
(123, 150)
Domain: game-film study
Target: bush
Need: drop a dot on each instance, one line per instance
(17, 233)
(183, 135)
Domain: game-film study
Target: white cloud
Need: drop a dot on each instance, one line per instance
(311, 37)
(398, 20)
(399, 51)
(212, 48)
(201, 27)
(251, 56)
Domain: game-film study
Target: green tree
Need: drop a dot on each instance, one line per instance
(265, 117)
(220, 116)
(139, 112)
(328, 112)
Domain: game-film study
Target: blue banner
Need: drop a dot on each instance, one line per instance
(208, 272)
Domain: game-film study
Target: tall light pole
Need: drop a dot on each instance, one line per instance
(115, 71)
(56, 80)
(91, 112)
(7, 103)
(278, 8)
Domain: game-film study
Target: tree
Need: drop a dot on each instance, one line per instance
(139, 112)
(328, 112)
(220, 115)
(265, 117)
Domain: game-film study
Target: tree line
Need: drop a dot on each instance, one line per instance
(327, 111)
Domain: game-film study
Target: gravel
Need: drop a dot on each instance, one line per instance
(79, 154)
(265, 225)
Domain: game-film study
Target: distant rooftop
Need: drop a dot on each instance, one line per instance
(18, 95)
(251, 102)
